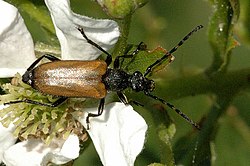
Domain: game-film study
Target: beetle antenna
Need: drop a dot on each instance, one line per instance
(176, 110)
(149, 69)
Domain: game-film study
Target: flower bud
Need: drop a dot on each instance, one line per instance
(121, 8)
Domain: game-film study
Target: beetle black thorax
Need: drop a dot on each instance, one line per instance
(119, 80)
(116, 80)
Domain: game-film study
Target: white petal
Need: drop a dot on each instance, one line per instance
(16, 46)
(34, 152)
(11, 71)
(118, 134)
(6, 137)
(69, 151)
(28, 153)
(71, 147)
(73, 45)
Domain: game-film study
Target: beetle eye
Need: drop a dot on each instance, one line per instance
(151, 85)
(27, 77)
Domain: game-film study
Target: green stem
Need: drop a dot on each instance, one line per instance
(220, 33)
(165, 132)
(220, 84)
(35, 13)
(121, 45)
(202, 142)
(225, 86)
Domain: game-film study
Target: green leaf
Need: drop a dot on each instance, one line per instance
(145, 58)
(165, 130)
(220, 32)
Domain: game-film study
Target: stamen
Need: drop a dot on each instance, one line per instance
(37, 121)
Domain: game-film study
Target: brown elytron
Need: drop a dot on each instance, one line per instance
(71, 78)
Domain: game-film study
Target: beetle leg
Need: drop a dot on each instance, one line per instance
(109, 57)
(48, 56)
(55, 104)
(58, 102)
(122, 97)
(117, 60)
(140, 47)
(100, 111)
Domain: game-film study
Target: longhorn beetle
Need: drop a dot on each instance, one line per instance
(93, 79)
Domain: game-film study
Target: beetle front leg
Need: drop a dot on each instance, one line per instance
(100, 111)
(125, 101)
(140, 47)
(122, 98)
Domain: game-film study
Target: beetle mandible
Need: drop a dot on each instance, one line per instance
(93, 79)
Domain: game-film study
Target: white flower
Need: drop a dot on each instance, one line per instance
(73, 46)
(118, 134)
(16, 44)
(34, 152)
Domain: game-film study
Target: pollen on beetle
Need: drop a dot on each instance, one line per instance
(36, 121)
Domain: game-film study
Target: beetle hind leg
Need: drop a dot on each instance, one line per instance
(100, 111)
(55, 104)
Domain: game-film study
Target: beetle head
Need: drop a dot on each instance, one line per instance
(28, 77)
(141, 83)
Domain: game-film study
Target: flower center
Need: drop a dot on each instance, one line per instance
(38, 121)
